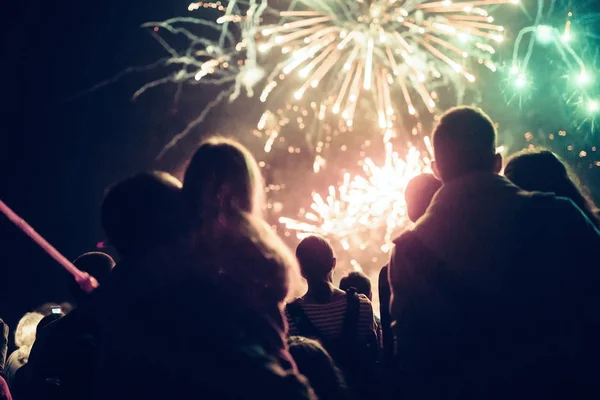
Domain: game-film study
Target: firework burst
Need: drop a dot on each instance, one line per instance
(383, 49)
(366, 210)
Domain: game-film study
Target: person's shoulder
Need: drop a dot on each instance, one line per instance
(556, 206)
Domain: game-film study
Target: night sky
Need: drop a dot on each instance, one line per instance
(59, 152)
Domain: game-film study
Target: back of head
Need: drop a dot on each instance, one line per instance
(142, 212)
(464, 142)
(96, 264)
(222, 178)
(358, 281)
(419, 193)
(316, 364)
(315, 257)
(26, 329)
(540, 170)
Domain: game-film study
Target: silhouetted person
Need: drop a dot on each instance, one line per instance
(3, 345)
(543, 171)
(237, 250)
(4, 389)
(62, 359)
(494, 291)
(418, 195)
(358, 281)
(24, 339)
(191, 328)
(318, 367)
(142, 213)
(342, 321)
(362, 284)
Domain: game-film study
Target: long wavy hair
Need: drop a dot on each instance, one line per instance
(543, 171)
(224, 193)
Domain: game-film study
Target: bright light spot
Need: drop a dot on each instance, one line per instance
(545, 33)
(593, 106)
(252, 75)
(298, 95)
(567, 37)
(463, 37)
(514, 70)
(521, 81)
(584, 78)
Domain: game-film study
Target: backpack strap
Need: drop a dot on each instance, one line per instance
(304, 325)
(350, 325)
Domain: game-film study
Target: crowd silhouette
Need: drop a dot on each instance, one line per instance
(491, 294)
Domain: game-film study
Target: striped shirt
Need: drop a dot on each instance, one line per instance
(328, 318)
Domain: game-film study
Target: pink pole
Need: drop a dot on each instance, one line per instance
(81, 277)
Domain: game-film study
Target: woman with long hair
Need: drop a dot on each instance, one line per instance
(224, 193)
(541, 170)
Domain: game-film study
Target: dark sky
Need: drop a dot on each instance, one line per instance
(58, 155)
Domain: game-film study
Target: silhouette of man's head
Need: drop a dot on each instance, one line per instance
(316, 259)
(142, 213)
(223, 178)
(464, 142)
(419, 193)
(96, 264)
(358, 281)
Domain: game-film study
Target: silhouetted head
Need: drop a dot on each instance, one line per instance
(541, 170)
(419, 193)
(316, 364)
(223, 180)
(47, 320)
(358, 281)
(316, 259)
(464, 142)
(142, 213)
(96, 264)
(25, 334)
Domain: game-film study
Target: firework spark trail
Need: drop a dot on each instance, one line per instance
(207, 109)
(419, 43)
(363, 206)
(578, 73)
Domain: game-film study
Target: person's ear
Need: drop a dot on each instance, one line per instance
(497, 163)
(436, 171)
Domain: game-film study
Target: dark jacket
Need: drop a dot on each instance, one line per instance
(62, 360)
(495, 295)
(187, 341)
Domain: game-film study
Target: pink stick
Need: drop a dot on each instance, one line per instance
(25, 227)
